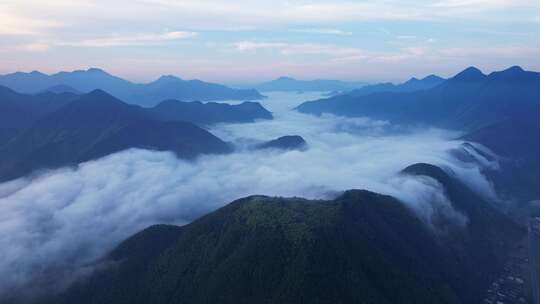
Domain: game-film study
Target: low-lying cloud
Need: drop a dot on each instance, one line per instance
(60, 221)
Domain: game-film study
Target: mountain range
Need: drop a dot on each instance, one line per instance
(467, 101)
(361, 247)
(150, 94)
(413, 84)
(499, 111)
(294, 85)
(48, 130)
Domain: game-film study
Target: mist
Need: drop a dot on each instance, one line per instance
(67, 219)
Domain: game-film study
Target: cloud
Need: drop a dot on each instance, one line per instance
(61, 221)
(301, 49)
(128, 40)
(217, 14)
(14, 24)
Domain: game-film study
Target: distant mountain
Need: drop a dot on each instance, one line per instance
(290, 142)
(362, 247)
(19, 111)
(411, 85)
(59, 89)
(209, 113)
(95, 125)
(468, 101)
(167, 87)
(170, 87)
(291, 84)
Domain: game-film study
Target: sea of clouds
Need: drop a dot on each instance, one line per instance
(56, 223)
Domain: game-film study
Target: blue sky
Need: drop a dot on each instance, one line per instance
(248, 41)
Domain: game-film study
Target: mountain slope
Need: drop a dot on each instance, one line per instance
(19, 111)
(209, 113)
(167, 87)
(516, 142)
(95, 125)
(359, 248)
(469, 100)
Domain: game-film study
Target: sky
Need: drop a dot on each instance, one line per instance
(246, 41)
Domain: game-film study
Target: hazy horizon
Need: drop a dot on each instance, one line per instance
(257, 82)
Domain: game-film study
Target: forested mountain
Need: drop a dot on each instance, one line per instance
(95, 125)
(359, 248)
(19, 111)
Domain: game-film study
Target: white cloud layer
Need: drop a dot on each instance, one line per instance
(67, 218)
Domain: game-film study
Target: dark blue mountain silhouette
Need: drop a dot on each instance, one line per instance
(467, 101)
(167, 87)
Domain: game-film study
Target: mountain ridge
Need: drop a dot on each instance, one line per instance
(137, 93)
(466, 101)
(94, 125)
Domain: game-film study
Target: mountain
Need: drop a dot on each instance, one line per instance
(209, 113)
(19, 111)
(81, 80)
(95, 125)
(290, 142)
(291, 84)
(468, 101)
(361, 247)
(59, 89)
(166, 87)
(515, 140)
(411, 85)
(170, 87)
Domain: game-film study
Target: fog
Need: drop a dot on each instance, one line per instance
(66, 219)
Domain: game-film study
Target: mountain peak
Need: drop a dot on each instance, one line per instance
(98, 94)
(36, 73)
(413, 79)
(515, 69)
(470, 74)
(285, 78)
(96, 71)
(515, 73)
(168, 78)
(432, 78)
